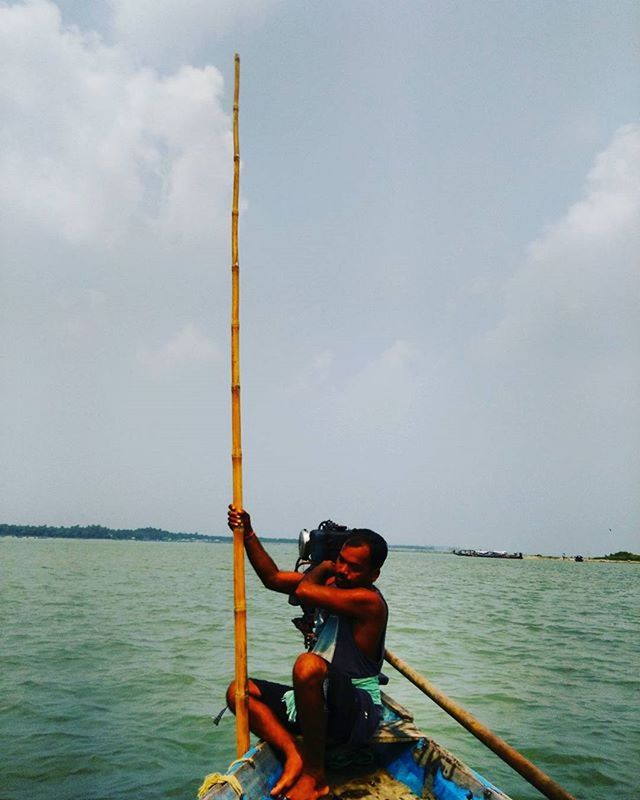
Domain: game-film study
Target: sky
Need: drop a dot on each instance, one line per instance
(440, 208)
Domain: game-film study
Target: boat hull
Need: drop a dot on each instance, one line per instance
(399, 763)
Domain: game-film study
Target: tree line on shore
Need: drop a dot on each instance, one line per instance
(622, 555)
(119, 534)
(100, 532)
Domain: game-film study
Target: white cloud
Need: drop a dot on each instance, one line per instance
(577, 291)
(552, 391)
(382, 392)
(380, 409)
(188, 346)
(155, 30)
(315, 374)
(531, 435)
(95, 149)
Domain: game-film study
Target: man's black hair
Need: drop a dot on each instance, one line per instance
(377, 546)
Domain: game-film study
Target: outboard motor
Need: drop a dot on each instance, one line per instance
(321, 544)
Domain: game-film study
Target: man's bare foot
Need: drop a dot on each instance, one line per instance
(290, 773)
(309, 787)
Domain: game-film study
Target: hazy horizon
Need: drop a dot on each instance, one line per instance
(293, 540)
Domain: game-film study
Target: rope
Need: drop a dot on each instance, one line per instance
(215, 779)
(244, 760)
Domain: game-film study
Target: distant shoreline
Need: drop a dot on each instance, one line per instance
(99, 532)
(590, 559)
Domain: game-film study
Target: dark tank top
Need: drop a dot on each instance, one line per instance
(336, 644)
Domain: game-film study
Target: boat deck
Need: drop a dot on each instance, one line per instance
(372, 783)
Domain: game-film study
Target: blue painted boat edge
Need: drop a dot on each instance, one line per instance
(487, 783)
(406, 769)
(446, 789)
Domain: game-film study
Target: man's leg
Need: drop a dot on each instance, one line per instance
(309, 673)
(265, 724)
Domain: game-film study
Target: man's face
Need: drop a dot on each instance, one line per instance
(353, 567)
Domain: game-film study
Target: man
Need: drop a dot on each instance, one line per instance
(335, 686)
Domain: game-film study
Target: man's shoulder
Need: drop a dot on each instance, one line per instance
(375, 598)
(379, 595)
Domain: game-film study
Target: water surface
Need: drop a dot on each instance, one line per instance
(114, 657)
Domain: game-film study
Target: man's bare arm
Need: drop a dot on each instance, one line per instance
(313, 590)
(266, 569)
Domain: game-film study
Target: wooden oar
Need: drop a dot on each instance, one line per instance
(536, 777)
(239, 599)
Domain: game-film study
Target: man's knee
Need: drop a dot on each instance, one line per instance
(252, 690)
(309, 668)
(231, 696)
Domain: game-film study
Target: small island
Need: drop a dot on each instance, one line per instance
(621, 555)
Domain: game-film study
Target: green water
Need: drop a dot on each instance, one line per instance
(114, 656)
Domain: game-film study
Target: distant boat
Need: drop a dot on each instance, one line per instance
(487, 553)
(579, 559)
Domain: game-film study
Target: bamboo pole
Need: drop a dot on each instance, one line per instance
(239, 598)
(536, 777)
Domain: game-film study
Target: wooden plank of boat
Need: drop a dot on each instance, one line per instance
(399, 763)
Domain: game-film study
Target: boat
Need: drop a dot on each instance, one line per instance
(487, 554)
(400, 762)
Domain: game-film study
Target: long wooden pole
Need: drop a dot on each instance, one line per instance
(536, 777)
(239, 597)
